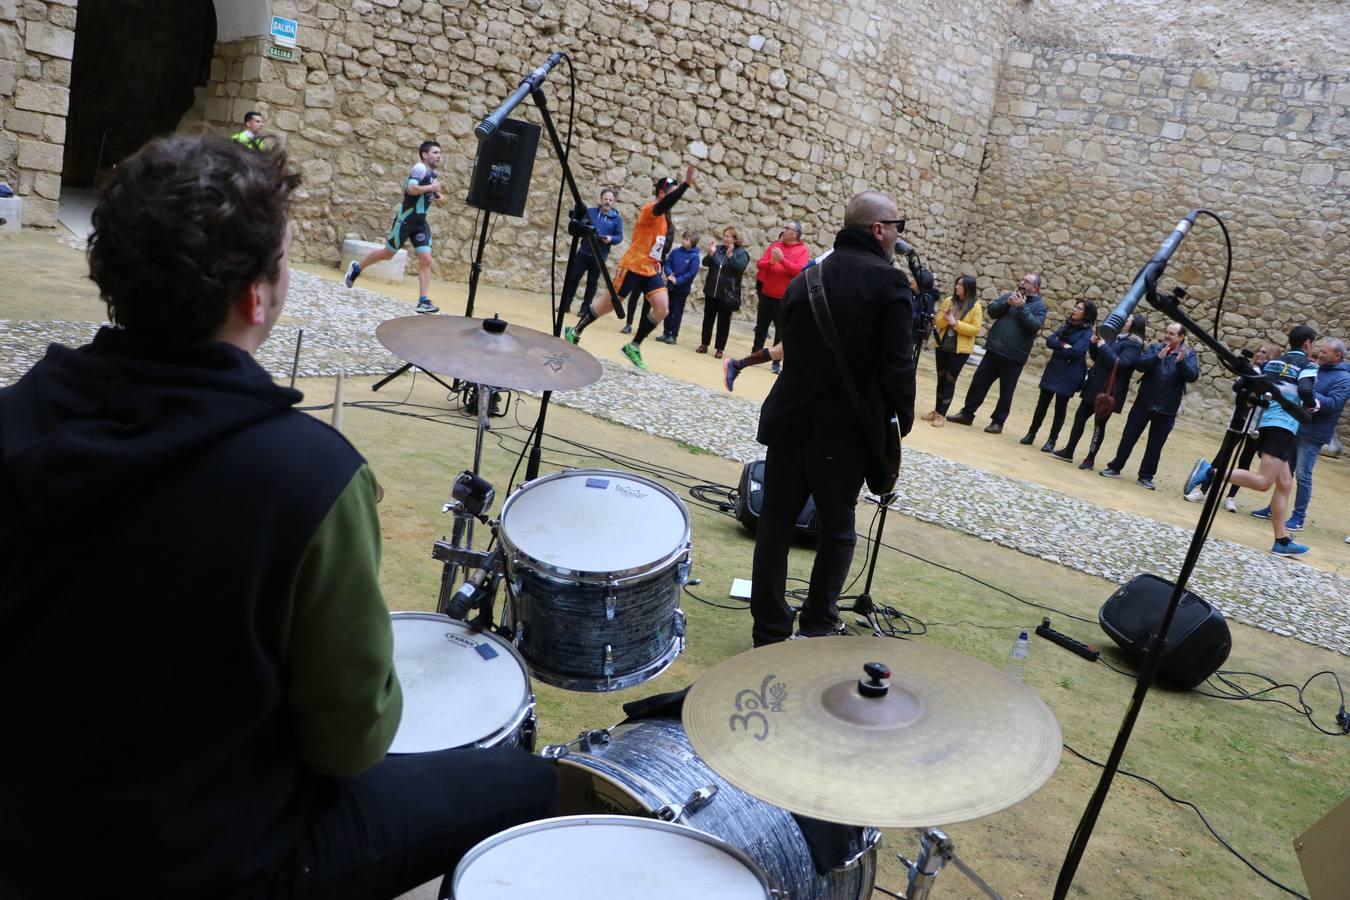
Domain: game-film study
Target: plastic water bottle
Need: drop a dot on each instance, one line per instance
(1017, 659)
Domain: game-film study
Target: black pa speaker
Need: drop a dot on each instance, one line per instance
(1198, 641)
(502, 169)
(750, 501)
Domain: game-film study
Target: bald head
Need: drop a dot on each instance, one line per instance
(868, 207)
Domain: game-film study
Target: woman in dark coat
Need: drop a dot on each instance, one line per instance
(722, 288)
(1119, 355)
(1064, 373)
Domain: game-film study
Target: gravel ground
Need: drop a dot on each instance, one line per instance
(1250, 586)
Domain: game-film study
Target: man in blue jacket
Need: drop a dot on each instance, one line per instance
(609, 229)
(1167, 368)
(1331, 390)
(1018, 317)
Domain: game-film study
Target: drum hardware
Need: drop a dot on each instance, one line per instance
(697, 800)
(935, 851)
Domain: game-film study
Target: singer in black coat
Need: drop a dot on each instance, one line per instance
(818, 446)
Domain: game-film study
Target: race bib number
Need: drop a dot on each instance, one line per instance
(658, 247)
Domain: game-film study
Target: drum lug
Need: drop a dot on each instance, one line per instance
(554, 751)
(609, 663)
(697, 800)
(870, 838)
(529, 730)
(597, 737)
(679, 625)
(682, 572)
(611, 603)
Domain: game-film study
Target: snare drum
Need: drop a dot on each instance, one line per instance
(607, 857)
(648, 768)
(595, 561)
(461, 688)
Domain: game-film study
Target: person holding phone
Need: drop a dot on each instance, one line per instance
(1167, 368)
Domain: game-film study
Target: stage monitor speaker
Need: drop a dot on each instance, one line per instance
(1198, 640)
(750, 502)
(502, 169)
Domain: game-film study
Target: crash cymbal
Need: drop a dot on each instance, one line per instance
(949, 739)
(513, 357)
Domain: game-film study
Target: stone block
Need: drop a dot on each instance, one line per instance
(390, 270)
(9, 10)
(42, 156)
(50, 40)
(45, 98)
(24, 122)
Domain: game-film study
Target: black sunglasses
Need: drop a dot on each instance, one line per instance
(898, 223)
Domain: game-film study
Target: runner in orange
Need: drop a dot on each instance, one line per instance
(639, 272)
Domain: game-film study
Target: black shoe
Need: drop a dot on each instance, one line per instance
(1027, 438)
(776, 367)
(995, 428)
(1145, 483)
(1062, 454)
(1087, 464)
(627, 329)
(962, 418)
(1109, 472)
(1048, 447)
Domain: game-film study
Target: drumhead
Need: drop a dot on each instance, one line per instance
(607, 856)
(459, 686)
(595, 520)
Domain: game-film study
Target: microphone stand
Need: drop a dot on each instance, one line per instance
(863, 605)
(534, 86)
(1249, 394)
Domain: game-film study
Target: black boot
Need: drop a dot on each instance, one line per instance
(1028, 438)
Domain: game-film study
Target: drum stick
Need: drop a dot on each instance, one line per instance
(337, 399)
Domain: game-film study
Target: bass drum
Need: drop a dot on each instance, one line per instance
(461, 687)
(648, 768)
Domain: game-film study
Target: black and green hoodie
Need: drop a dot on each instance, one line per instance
(192, 636)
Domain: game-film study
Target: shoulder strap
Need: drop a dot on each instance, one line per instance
(820, 309)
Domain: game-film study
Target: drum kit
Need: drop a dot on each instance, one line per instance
(727, 797)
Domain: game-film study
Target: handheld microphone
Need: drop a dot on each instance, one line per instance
(527, 86)
(1146, 280)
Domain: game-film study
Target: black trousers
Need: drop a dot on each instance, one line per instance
(770, 312)
(1159, 426)
(949, 366)
(1086, 410)
(993, 368)
(410, 819)
(1042, 405)
(715, 311)
(791, 474)
(675, 316)
(578, 265)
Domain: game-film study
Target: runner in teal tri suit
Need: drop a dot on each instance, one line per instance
(421, 188)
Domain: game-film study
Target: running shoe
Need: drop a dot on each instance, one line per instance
(634, 354)
(730, 369)
(1199, 477)
(1262, 513)
(1289, 549)
(570, 335)
(353, 270)
(425, 308)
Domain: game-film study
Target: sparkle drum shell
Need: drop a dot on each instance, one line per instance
(595, 560)
(649, 768)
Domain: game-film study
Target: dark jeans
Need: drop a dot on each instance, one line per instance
(949, 366)
(577, 266)
(791, 474)
(993, 368)
(1159, 426)
(716, 311)
(770, 312)
(410, 819)
(676, 314)
(1042, 405)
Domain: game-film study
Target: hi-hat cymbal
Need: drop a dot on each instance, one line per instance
(516, 357)
(951, 738)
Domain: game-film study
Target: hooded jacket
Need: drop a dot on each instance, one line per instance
(1332, 390)
(191, 627)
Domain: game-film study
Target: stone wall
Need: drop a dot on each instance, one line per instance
(1094, 156)
(37, 43)
(787, 108)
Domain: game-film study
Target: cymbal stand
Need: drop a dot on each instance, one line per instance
(458, 554)
(936, 849)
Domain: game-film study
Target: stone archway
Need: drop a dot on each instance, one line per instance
(239, 19)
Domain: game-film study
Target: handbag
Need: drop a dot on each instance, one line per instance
(1105, 402)
(883, 469)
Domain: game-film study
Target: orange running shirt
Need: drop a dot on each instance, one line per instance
(649, 242)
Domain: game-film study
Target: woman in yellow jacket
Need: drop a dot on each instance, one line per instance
(955, 325)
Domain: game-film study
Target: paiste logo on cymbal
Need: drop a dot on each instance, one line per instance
(751, 706)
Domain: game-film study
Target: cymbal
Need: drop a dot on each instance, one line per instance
(951, 739)
(516, 358)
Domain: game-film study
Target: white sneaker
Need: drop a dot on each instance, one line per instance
(1196, 496)
(1230, 504)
